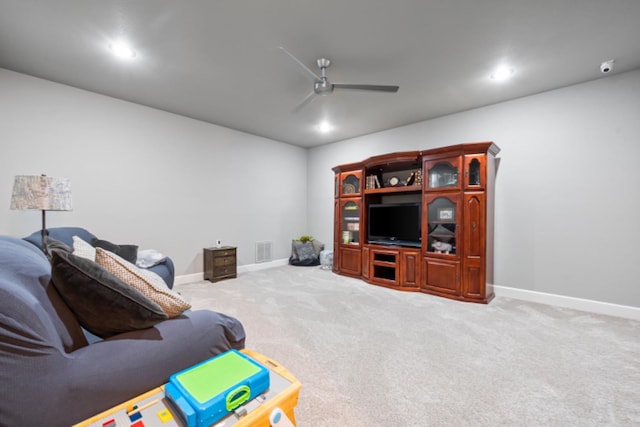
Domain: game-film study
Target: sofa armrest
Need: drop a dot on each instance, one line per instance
(166, 270)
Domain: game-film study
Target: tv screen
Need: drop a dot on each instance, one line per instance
(394, 224)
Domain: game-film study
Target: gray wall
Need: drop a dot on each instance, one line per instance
(568, 185)
(144, 176)
(567, 196)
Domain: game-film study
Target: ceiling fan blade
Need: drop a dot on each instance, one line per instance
(307, 70)
(306, 101)
(377, 88)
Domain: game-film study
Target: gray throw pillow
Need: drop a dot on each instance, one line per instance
(128, 252)
(318, 247)
(305, 250)
(103, 304)
(51, 244)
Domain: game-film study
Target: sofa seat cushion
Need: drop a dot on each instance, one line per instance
(103, 304)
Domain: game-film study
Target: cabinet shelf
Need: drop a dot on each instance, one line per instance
(442, 236)
(398, 189)
(384, 263)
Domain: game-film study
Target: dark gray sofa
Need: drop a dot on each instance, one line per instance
(49, 373)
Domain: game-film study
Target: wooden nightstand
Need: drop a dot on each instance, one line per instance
(220, 263)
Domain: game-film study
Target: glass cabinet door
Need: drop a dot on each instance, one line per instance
(442, 174)
(474, 171)
(350, 229)
(442, 225)
(350, 183)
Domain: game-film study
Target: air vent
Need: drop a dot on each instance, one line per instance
(263, 251)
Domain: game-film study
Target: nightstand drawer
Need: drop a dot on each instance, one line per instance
(219, 253)
(227, 260)
(229, 270)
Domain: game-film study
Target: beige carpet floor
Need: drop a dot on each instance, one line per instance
(369, 356)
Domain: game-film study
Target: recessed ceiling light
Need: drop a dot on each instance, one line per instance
(324, 127)
(501, 73)
(122, 50)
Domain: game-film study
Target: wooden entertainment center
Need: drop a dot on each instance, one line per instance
(449, 251)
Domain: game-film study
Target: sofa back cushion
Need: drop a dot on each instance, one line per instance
(33, 317)
(63, 234)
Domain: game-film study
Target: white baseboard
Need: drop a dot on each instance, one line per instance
(188, 278)
(197, 277)
(625, 311)
(263, 265)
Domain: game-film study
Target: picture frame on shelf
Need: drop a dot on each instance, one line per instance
(446, 214)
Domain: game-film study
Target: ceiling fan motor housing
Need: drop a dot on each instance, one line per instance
(322, 87)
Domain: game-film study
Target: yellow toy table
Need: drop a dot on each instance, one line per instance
(151, 410)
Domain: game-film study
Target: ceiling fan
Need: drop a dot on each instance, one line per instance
(322, 86)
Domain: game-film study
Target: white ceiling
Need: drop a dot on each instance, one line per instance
(218, 60)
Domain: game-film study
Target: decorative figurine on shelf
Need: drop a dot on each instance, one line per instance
(442, 247)
(411, 179)
(415, 178)
(418, 175)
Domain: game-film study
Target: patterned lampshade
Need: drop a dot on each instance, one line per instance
(41, 192)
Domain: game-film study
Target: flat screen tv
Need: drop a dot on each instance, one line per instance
(394, 224)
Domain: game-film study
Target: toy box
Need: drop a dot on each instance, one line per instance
(283, 393)
(153, 409)
(211, 390)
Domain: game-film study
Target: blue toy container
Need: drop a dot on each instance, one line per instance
(211, 390)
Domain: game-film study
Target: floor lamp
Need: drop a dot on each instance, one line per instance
(41, 192)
